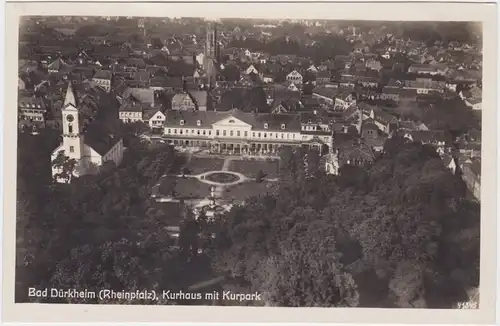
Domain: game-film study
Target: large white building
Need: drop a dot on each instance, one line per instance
(239, 132)
(88, 143)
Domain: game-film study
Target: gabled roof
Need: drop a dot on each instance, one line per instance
(56, 64)
(103, 74)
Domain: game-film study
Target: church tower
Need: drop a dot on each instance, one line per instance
(72, 133)
(211, 54)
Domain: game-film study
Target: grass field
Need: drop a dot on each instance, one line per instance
(246, 190)
(184, 188)
(199, 165)
(250, 168)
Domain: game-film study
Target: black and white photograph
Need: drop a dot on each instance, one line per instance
(253, 162)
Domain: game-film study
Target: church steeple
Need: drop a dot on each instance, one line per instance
(70, 96)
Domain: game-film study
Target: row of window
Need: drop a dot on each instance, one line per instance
(129, 114)
(103, 82)
(32, 118)
(30, 105)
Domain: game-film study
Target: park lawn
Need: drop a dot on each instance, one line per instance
(245, 190)
(185, 188)
(198, 165)
(250, 168)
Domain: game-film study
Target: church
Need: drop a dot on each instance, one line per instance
(85, 141)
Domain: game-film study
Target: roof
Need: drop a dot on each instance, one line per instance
(56, 64)
(99, 138)
(426, 136)
(131, 107)
(142, 95)
(179, 97)
(26, 102)
(149, 113)
(103, 74)
(358, 151)
(199, 97)
(447, 159)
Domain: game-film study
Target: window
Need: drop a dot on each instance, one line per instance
(192, 131)
(210, 132)
(182, 122)
(204, 132)
(175, 131)
(253, 134)
(246, 133)
(270, 135)
(266, 125)
(276, 135)
(282, 135)
(70, 129)
(231, 133)
(259, 135)
(238, 133)
(71, 149)
(198, 123)
(293, 136)
(283, 126)
(224, 132)
(168, 131)
(217, 133)
(231, 121)
(180, 131)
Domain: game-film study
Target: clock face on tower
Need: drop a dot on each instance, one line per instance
(70, 118)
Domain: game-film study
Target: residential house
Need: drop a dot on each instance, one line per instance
(369, 82)
(103, 79)
(474, 104)
(31, 109)
(385, 121)
(449, 162)
(21, 85)
(373, 65)
(427, 69)
(471, 174)
(323, 77)
(251, 70)
(154, 118)
(56, 66)
(435, 138)
(131, 111)
(372, 136)
(183, 102)
(343, 101)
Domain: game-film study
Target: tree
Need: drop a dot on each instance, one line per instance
(260, 176)
(306, 272)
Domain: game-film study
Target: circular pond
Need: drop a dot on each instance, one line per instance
(222, 177)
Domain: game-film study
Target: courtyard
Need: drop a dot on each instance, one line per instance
(197, 165)
(234, 178)
(251, 168)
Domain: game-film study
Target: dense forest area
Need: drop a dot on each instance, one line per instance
(398, 233)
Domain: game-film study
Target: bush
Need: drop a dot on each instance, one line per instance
(260, 176)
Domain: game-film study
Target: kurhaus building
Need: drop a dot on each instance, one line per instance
(238, 132)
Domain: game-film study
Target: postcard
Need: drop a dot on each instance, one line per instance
(250, 162)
